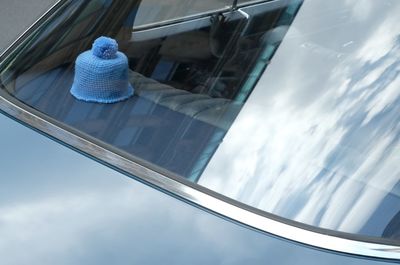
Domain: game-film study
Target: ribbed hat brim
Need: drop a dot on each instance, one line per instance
(127, 93)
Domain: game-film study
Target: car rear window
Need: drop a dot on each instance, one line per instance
(291, 107)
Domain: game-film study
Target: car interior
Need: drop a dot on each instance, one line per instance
(191, 75)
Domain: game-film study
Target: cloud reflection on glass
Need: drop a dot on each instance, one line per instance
(73, 210)
(318, 139)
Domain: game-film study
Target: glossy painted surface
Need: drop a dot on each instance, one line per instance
(59, 207)
(15, 19)
(241, 161)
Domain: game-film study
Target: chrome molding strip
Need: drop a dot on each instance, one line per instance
(193, 193)
(197, 195)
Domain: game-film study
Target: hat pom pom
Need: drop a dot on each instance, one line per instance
(105, 48)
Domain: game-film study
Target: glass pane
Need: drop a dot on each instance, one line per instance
(318, 140)
(190, 82)
(287, 106)
(154, 11)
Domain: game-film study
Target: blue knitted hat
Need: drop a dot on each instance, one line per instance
(101, 74)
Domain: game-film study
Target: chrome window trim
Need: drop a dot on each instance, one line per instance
(187, 191)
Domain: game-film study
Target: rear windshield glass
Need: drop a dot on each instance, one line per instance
(290, 106)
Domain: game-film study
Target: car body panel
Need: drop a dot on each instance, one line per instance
(60, 207)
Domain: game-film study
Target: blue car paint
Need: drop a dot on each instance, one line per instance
(60, 207)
